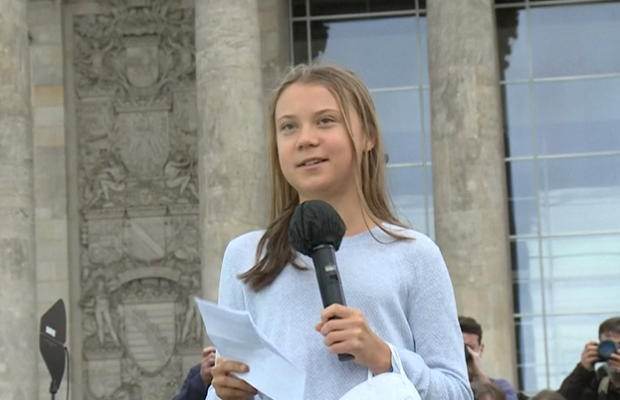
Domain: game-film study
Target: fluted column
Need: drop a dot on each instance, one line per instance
(232, 137)
(471, 207)
(18, 320)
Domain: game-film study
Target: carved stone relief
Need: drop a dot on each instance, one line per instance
(134, 66)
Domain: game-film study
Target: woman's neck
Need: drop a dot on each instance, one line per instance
(355, 218)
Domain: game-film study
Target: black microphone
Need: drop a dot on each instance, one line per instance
(52, 338)
(316, 230)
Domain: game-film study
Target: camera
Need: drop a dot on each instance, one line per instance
(606, 349)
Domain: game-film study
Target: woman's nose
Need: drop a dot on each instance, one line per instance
(307, 137)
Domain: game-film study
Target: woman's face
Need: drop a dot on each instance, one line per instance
(315, 149)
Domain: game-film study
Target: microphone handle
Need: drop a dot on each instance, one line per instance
(324, 259)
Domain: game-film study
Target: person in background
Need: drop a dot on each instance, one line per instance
(548, 395)
(199, 378)
(472, 336)
(487, 391)
(586, 383)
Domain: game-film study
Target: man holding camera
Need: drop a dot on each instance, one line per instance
(472, 336)
(586, 383)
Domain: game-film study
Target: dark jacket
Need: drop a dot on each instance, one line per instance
(193, 387)
(582, 384)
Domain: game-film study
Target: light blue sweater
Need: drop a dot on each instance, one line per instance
(402, 288)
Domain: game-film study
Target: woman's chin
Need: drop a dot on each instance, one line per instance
(315, 191)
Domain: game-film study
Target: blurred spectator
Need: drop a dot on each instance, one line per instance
(199, 378)
(548, 395)
(586, 383)
(472, 336)
(487, 391)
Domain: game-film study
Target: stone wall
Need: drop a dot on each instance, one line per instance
(117, 185)
(133, 107)
(275, 41)
(50, 174)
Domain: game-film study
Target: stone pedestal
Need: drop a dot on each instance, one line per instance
(471, 208)
(18, 321)
(233, 170)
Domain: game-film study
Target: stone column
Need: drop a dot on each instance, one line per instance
(18, 320)
(232, 148)
(471, 207)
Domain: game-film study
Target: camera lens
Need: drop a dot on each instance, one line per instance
(606, 349)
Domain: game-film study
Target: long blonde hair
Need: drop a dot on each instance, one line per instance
(274, 251)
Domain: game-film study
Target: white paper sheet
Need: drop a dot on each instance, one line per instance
(236, 337)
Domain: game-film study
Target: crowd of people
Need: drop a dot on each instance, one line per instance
(584, 383)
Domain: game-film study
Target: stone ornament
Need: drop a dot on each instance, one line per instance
(135, 80)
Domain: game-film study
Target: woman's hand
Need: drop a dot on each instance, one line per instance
(228, 387)
(349, 333)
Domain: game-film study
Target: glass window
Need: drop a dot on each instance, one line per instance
(578, 274)
(298, 8)
(300, 42)
(423, 48)
(563, 167)
(579, 195)
(426, 123)
(523, 215)
(575, 40)
(337, 7)
(580, 116)
(581, 274)
(399, 117)
(527, 272)
(382, 51)
(512, 43)
(389, 53)
(408, 189)
(518, 120)
(551, 346)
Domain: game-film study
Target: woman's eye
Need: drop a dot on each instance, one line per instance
(325, 121)
(287, 127)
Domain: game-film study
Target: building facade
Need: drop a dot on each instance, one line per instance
(132, 149)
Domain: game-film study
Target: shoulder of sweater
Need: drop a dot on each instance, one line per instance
(417, 244)
(418, 241)
(241, 251)
(246, 242)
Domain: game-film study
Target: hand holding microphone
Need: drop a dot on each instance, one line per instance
(316, 230)
(349, 333)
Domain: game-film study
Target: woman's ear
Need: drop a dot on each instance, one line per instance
(369, 143)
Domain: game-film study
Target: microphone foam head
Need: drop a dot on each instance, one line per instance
(315, 223)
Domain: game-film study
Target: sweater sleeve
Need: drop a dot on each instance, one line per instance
(437, 365)
(230, 287)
